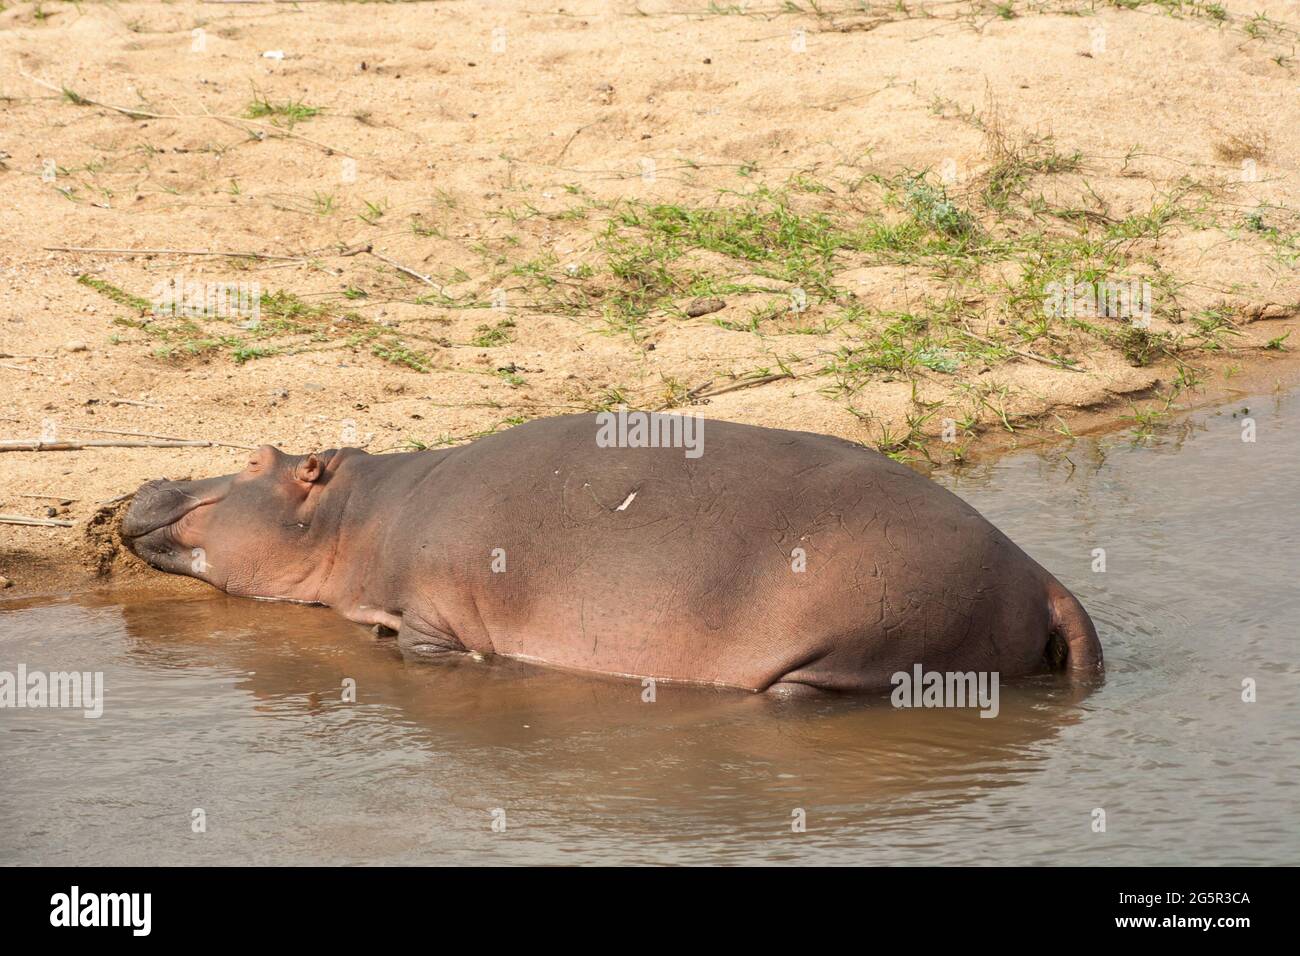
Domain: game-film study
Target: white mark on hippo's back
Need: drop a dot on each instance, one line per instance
(626, 501)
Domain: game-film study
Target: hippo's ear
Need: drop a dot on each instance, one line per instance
(309, 469)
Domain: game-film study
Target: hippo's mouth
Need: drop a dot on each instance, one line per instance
(157, 547)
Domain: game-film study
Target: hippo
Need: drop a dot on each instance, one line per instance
(761, 559)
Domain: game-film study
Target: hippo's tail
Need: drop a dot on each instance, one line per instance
(1072, 644)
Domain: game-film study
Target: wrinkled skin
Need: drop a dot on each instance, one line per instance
(691, 579)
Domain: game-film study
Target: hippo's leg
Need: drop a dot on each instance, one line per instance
(419, 641)
(382, 623)
(417, 638)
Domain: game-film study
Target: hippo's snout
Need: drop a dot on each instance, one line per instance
(161, 503)
(154, 527)
(156, 504)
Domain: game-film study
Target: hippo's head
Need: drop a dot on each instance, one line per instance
(258, 532)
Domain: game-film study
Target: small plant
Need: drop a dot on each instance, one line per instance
(1234, 149)
(287, 113)
(245, 353)
(1212, 325)
(374, 212)
(1140, 346)
(120, 296)
(1146, 421)
(1255, 223)
(426, 229)
(609, 399)
(510, 375)
(396, 353)
(1187, 378)
(932, 208)
(489, 336)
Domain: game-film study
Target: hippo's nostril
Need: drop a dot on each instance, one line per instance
(151, 507)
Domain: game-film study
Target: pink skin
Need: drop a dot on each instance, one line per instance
(535, 543)
(171, 519)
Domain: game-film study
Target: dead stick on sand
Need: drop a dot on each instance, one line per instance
(26, 445)
(234, 121)
(700, 391)
(751, 383)
(109, 431)
(569, 142)
(1021, 352)
(39, 522)
(171, 252)
(401, 268)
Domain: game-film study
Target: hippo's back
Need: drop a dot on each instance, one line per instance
(739, 555)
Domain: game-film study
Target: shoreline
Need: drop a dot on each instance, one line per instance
(57, 562)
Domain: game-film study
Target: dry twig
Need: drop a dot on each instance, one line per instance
(37, 522)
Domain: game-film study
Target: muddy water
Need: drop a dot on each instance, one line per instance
(234, 707)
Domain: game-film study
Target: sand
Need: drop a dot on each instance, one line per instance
(475, 214)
